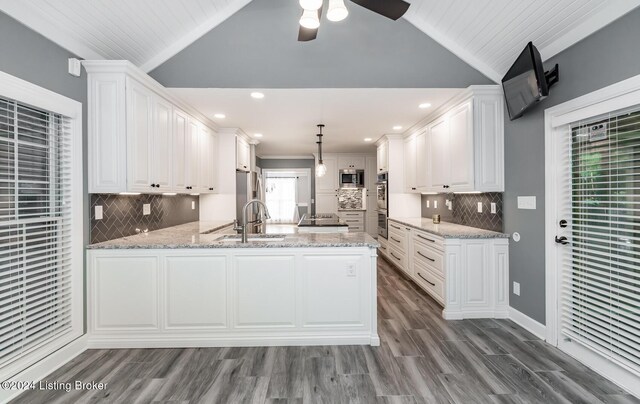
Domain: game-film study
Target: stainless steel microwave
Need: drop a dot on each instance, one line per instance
(351, 178)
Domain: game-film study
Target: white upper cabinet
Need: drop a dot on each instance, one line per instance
(351, 161)
(383, 157)
(465, 146)
(422, 159)
(243, 155)
(139, 140)
(329, 181)
(410, 165)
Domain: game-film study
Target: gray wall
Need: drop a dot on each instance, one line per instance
(31, 57)
(292, 163)
(258, 47)
(608, 56)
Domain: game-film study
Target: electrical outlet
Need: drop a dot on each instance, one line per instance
(479, 207)
(526, 202)
(516, 288)
(427, 203)
(435, 204)
(450, 205)
(193, 205)
(146, 209)
(351, 270)
(494, 208)
(98, 212)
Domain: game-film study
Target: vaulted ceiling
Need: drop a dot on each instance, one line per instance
(487, 34)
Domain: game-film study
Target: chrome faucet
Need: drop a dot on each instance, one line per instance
(243, 227)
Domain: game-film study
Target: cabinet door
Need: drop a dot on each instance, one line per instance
(383, 157)
(422, 166)
(410, 165)
(461, 148)
(329, 181)
(192, 157)
(349, 161)
(162, 157)
(438, 161)
(180, 132)
(242, 155)
(213, 163)
(139, 137)
(326, 203)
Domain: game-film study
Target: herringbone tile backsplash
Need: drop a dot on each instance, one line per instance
(465, 209)
(122, 214)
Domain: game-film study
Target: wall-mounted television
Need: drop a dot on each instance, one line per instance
(526, 82)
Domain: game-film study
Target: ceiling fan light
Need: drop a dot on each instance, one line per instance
(311, 4)
(310, 19)
(337, 11)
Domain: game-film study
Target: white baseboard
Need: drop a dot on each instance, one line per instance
(46, 366)
(146, 341)
(529, 324)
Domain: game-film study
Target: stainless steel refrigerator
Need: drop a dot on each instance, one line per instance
(249, 185)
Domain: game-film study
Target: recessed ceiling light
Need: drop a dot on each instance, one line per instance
(257, 95)
(258, 135)
(367, 139)
(220, 116)
(397, 127)
(424, 105)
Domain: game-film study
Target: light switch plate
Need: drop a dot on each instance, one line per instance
(435, 204)
(494, 208)
(479, 207)
(193, 205)
(146, 209)
(427, 203)
(98, 212)
(526, 202)
(516, 288)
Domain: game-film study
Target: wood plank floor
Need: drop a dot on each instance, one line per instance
(422, 359)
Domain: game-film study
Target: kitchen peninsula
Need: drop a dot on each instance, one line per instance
(195, 286)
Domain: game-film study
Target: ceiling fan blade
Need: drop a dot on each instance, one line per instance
(309, 34)
(393, 9)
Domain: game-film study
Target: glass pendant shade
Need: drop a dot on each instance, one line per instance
(310, 19)
(321, 170)
(337, 11)
(311, 4)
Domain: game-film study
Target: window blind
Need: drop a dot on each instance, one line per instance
(35, 229)
(600, 290)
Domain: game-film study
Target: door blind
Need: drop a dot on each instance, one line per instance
(35, 229)
(600, 299)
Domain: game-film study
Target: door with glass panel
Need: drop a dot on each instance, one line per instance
(598, 239)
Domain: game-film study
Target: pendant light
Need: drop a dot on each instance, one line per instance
(311, 4)
(337, 11)
(310, 19)
(321, 169)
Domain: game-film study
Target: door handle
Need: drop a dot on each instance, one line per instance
(562, 240)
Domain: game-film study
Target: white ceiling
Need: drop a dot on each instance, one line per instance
(288, 117)
(145, 32)
(487, 34)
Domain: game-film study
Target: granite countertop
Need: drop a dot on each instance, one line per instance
(199, 235)
(446, 229)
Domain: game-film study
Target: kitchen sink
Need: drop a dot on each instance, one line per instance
(233, 238)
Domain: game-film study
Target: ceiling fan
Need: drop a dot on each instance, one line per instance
(310, 20)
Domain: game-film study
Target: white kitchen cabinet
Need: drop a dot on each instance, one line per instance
(140, 137)
(383, 157)
(422, 161)
(354, 219)
(370, 179)
(328, 183)
(243, 155)
(469, 277)
(465, 147)
(208, 147)
(326, 203)
(351, 161)
(410, 165)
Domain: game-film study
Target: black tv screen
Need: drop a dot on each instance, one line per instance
(525, 83)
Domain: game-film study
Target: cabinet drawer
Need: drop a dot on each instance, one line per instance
(428, 257)
(351, 215)
(384, 247)
(356, 222)
(428, 239)
(356, 228)
(430, 282)
(397, 228)
(398, 258)
(399, 242)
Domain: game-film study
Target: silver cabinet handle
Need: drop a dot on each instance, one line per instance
(424, 238)
(426, 280)
(395, 227)
(424, 256)
(395, 239)
(383, 248)
(394, 256)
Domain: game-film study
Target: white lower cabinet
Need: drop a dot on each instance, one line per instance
(231, 297)
(469, 277)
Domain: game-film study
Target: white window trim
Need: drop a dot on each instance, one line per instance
(39, 97)
(615, 97)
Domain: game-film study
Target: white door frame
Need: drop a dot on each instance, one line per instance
(615, 97)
